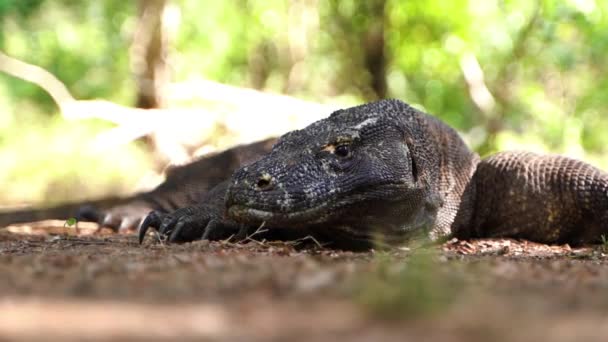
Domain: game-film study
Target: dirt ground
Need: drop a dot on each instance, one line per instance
(56, 284)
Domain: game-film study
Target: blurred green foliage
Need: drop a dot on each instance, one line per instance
(543, 63)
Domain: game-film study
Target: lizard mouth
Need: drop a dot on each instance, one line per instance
(247, 214)
(322, 212)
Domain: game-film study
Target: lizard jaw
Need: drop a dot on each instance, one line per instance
(246, 214)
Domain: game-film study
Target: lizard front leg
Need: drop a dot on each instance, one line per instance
(205, 220)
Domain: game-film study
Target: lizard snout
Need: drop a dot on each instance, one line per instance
(256, 181)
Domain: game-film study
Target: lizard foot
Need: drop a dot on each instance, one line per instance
(187, 224)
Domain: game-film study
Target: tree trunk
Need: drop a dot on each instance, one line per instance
(374, 56)
(149, 55)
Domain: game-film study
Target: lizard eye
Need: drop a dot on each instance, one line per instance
(342, 151)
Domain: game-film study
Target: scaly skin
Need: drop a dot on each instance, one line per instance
(387, 170)
(544, 198)
(379, 171)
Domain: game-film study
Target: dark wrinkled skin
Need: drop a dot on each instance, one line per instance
(385, 170)
(377, 172)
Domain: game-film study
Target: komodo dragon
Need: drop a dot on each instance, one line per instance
(382, 170)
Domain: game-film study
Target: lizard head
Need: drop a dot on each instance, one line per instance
(353, 171)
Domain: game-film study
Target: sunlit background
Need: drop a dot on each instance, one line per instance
(516, 74)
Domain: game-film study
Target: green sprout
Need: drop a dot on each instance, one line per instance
(70, 222)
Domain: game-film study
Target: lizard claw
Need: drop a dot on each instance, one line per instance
(153, 219)
(187, 224)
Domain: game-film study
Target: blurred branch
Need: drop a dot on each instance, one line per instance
(35, 74)
(473, 75)
(244, 98)
(68, 105)
(241, 109)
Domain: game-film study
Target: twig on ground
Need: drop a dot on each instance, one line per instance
(259, 230)
(310, 237)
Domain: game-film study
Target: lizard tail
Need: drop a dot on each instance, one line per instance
(59, 212)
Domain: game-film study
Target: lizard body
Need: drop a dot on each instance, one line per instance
(380, 170)
(387, 170)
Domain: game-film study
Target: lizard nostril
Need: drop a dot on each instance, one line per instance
(264, 182)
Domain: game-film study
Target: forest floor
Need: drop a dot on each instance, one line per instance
(56, 284)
